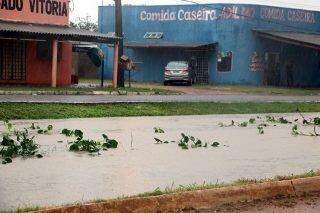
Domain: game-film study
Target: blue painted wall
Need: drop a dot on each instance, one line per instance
(232, 32)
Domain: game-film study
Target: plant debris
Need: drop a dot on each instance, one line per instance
(190, 141)
(91, 146)
(280, 120)
(24, 145)
(243, 124)
(252, 121)
(109, 143)
(158, 130)
(48, 130)
(224, 125)
(260, 130)
(297, 132)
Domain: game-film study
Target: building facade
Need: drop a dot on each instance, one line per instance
(226, 43)
(29, 61)
(35, 42)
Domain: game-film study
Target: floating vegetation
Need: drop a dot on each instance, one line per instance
(17, 143)
(280, 120)
(92, 146)
(224, 125)
(187, 142)
(252, 121)
(260, 130)
(297, 132)
(158, 130)
(244, 124)
(48, 130)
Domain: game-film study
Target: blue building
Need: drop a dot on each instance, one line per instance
(226, 43)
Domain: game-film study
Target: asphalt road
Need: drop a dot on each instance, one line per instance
(95, 99)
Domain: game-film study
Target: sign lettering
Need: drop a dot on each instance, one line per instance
(230, 12)
(54, 12)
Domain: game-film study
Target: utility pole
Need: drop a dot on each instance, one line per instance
(119, 33)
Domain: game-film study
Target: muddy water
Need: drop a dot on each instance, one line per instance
(62, 177)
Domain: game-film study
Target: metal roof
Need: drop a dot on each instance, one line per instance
(311, 40)
(165, 44)
(37, 31)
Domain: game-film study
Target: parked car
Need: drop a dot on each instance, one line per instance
(179, 71)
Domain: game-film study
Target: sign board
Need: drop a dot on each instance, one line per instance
(52, 12)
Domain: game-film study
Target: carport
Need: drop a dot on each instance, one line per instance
(292, 58)
(310, 40)
(195, 52)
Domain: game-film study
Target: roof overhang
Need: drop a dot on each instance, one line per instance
(309, 40)
(163, 44)
(46, 32)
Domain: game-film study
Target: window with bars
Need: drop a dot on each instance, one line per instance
(12, 60)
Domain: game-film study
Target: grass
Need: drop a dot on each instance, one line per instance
(28, 209)
(240, 182)
(16, 111)
(261, 89)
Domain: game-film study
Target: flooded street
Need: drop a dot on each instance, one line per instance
(140, 165)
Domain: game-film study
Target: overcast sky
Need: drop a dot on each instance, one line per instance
(82, 8)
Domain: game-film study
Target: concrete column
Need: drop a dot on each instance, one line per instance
(115, 65)
(54, 66)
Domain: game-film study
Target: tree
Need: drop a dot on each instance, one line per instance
(85, 23)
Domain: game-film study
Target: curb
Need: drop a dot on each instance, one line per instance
(97, 93)
(202, 199)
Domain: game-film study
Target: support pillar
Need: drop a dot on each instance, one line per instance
(54, 66)
(115, 65)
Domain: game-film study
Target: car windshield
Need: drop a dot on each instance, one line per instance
(177, 64)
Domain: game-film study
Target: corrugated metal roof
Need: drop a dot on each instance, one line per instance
(63, 32)
(164, 44)
(312, 39)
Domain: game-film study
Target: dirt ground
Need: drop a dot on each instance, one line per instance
(309, 203)
(139, 165)
(191, 90)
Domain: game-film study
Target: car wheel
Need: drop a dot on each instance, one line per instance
(165, 83)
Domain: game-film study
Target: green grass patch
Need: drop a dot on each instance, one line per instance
(206, 186)
(28, 209)
(16, 111)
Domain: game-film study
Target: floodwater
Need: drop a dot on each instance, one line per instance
(140, 165)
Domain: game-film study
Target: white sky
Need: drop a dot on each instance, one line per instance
(82, 8)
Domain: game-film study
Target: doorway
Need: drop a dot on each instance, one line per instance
(12, 60)
(272, 73)
(199, 61)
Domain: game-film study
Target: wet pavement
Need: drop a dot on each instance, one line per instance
(139, 165)
(96, 99)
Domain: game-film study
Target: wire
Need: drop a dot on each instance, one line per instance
(246, 16)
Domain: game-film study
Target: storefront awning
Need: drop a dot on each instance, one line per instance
(162, 44)
(45, 32)
(310, 40)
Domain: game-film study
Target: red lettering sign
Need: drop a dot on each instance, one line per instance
(53, 12)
